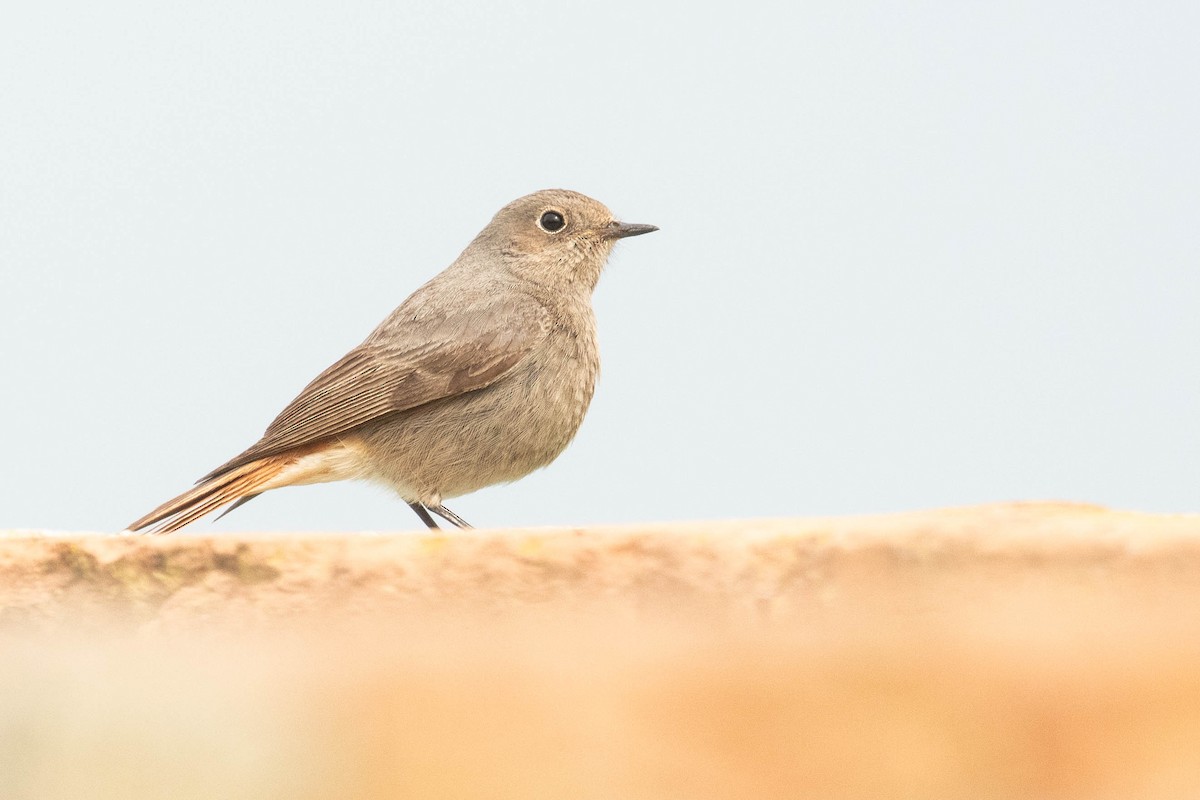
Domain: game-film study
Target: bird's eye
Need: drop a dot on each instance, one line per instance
(552, 222)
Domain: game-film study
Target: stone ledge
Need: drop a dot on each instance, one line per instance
(738, 569)
(1010, 651)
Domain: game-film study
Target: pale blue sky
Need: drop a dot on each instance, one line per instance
(911, 255)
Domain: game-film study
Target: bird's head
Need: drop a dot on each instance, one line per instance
(556, 236)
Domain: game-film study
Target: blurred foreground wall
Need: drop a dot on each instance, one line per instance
(1024, 651)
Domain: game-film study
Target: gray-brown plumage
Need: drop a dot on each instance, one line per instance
(480, 377)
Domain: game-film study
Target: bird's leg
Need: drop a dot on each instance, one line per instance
(424, 515)
(449, 516)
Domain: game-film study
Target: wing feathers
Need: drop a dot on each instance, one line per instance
(402, 366)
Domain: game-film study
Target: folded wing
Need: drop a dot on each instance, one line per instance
(419, 361)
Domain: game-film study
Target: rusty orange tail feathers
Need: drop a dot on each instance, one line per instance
(233, 487)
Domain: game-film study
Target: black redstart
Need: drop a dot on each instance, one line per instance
(480, 377)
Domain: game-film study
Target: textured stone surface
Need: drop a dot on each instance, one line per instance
(917, 562)
(1030, 650)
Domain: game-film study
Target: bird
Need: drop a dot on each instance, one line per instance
(483, 375)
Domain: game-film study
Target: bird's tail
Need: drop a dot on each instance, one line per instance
(235, 486)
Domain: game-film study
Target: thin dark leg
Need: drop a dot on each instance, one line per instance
(450, 516)
(424, 515)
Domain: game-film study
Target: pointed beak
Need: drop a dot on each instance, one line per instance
(623, 230)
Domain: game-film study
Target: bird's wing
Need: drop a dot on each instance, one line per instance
(412, 362)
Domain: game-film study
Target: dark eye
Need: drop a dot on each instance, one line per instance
(552, 221)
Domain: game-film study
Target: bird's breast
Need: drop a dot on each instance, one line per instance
(500, 433)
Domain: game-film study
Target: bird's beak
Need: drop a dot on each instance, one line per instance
(621, 230)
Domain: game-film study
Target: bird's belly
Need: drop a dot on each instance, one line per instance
(460, 444)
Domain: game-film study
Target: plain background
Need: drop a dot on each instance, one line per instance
(912, 254)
